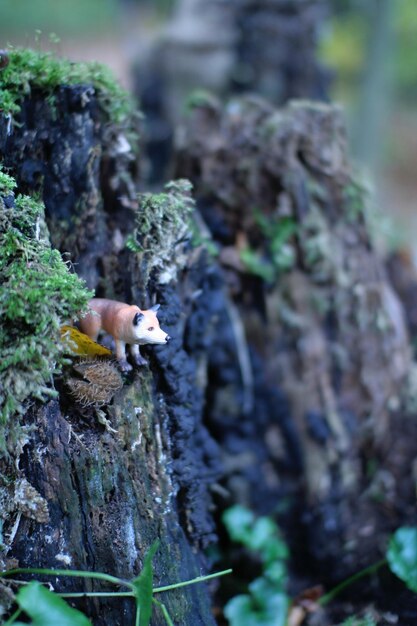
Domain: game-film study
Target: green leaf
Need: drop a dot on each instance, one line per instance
(47, 609)
(244, 610)
(282, 231)
(262, 591)
(264, 530)
(260, 535)
(276, 572)
(402, 556)
(272, 600)
(239, 611)
(274, 549)
(278, 609)
(255, 264)
(143, 586)
(239, 522)
(367, 620)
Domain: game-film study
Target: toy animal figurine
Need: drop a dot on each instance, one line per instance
(127, 324)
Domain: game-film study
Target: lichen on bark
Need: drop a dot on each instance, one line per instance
(162, 231)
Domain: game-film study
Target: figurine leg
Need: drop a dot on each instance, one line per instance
(121, 356)
(138, 358)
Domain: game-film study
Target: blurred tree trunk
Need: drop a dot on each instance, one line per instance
(267, 34)
(225, 47)
(328, 345)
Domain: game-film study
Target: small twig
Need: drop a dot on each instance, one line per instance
(13, 617)
(328, 597)
(200, 579)
(64, 572)
(164, 610)
(98, 594)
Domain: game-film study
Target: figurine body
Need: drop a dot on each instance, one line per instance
(127, 324)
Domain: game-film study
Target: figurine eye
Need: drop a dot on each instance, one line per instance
(151, 328)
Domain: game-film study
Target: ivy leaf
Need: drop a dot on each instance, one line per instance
(239, 522)
(243, 610)
(255, 264)
(260, 535)
(239, 611)
(402, 556)
(264, 533)
(273, 601)
(48, 609)
(143, 586)
(276, 572)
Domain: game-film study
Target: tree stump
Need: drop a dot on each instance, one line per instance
(328, 344)
(111, 479)
(285, 374)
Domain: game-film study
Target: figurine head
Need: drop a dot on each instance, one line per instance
(146, 327)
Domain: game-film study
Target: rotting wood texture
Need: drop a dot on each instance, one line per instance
(288, 358)
(329, 347)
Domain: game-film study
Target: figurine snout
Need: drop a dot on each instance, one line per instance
(168, 338)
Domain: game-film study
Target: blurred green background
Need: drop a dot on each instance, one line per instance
(371, 46)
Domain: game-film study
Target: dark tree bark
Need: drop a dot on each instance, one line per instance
(112, 491)
(86, 170)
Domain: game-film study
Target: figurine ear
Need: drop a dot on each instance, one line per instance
(138, 317)
(155, 307)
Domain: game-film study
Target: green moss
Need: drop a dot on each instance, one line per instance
(29, 69)
(162, 228)
(199, 98)
(159, 212)
(37, 294)
(257, 265)
(355, 198)
(7, 183)
(278, 255)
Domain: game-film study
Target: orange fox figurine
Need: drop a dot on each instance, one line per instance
(127, 324)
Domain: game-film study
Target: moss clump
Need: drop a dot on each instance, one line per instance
(7, 183)
(29, 69)
(278, 255)
(37, 294)
(200, 98)
(162, 227)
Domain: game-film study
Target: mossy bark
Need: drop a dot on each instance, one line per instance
(84, 167)
(111, 491)
(110, 494)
